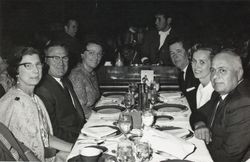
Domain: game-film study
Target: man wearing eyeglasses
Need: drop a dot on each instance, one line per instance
(223, 123)
(56, 91)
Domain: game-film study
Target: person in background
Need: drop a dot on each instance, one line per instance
(84, 78)
(6, 82)
(223, 123)
(155, 47)
(23, 112)
(201, 64)
(58, 95)
(187, 82)
(68, 37)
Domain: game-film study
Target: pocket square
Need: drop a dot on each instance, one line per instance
(190, 89)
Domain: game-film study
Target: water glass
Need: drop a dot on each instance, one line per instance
(129, 100)
(143, 152)
(125, 151)
(147, 118)
(125, 123)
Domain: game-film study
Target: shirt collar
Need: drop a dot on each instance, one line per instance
(165, 32)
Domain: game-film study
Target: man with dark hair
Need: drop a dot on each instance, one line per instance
(223, 123)
(58, 95)
(68, 37)
(156, 42)
(187, 82)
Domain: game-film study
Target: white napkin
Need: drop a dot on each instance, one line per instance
(98, 132)
(168, 143)
(178, 132)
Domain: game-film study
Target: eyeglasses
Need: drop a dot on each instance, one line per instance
(92, 53)
(220, 71)
(58, 58)
(30, 66)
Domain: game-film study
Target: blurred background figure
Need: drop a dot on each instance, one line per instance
(23, 112)
(84, 77)
(156, 42)
(68, 37)
(6, 82)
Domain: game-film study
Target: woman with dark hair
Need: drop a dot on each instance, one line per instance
(23, 112)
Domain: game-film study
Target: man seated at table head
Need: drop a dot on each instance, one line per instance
(58, 95)
(155, 46)
(223, 123)
(187, 81)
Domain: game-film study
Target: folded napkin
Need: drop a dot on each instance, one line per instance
(168, 143)
(98, 132)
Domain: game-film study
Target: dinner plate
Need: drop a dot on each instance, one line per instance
(103, 148)
(109, 109)
(178, 131)
(163, 118)
(103, 128)
(113, 94)
(170, 108)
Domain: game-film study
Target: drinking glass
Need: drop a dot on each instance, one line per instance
(143, 152)
(128, 100)
(125, 151)
(147, 118)
(153, 97)
(125, 123)
(132, 87)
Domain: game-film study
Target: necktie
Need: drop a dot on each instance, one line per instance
(182, 81)
(70, 92)
(218, 106)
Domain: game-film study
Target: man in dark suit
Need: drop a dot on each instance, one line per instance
(155, 46)
(68, 37)
(57, 93)
(187, 82)
(224, 122)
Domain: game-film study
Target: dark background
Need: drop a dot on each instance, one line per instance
(22, 19)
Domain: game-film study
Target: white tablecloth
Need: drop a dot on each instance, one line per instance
(181, 119)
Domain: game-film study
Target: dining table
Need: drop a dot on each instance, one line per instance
(177, 141)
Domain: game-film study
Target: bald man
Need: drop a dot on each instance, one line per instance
(224, 122)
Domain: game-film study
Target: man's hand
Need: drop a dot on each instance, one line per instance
(202, 132)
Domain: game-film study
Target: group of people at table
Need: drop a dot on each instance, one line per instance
(45, 109)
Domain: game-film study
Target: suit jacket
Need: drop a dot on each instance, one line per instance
(150, 48)
(2, 91)
(231, 124)
(189, 86)
(67, 119)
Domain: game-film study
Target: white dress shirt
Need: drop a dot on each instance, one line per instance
(163, 36)
(203, 94)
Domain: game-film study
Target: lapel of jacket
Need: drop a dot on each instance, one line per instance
(74, 96)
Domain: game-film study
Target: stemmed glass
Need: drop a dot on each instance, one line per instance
(125, 123)
(128, 100)
(153, 96)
